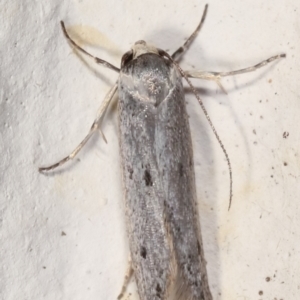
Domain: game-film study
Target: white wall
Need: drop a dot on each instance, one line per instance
(62, 234)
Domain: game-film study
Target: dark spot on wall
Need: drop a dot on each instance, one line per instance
(143, 252)
(285, 134)
(147, 177)
(260, 293)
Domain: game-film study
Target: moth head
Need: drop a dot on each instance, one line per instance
(139, 48)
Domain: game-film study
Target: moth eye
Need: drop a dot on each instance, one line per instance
(126, 58)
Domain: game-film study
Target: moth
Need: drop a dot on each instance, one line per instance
(163, 228)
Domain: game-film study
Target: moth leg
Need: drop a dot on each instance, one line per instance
(96, 59)
(185, 46)
(216, 76)
(127, 278)
(206, 76)
(94, 127)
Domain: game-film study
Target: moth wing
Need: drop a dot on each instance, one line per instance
(149, 238)
(175, 161)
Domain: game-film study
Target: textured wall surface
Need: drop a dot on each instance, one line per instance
(62, 234)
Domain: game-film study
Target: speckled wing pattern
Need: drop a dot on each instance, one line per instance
(159, 181)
